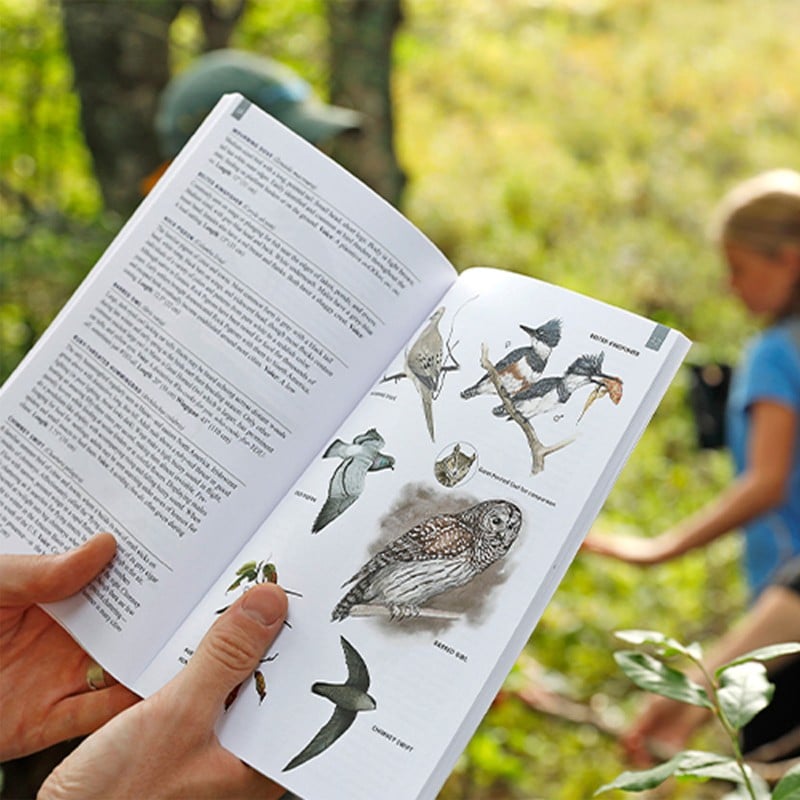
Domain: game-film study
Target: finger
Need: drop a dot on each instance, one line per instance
(231, 650)
(27, 579)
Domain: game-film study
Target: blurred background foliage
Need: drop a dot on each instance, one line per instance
(580, 141)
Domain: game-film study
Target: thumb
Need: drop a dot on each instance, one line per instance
(231, 650)
(28, 579)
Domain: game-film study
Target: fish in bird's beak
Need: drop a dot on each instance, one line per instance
(604, 385)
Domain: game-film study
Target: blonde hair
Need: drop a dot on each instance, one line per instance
(762, 213)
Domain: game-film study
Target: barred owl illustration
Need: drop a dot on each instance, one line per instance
(443, 552)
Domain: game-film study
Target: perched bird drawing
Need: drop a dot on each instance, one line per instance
(441, 553)
(519, 368)
(548, 393)
(348, 698)
(347, 482)
(424, 365)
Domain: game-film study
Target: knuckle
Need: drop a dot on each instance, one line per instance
(232, 649)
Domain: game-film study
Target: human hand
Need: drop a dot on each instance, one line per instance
(165, 746)
(633, 549)
(44, 695)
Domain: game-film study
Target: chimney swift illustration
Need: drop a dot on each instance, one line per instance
(347, 481)
(348, 698)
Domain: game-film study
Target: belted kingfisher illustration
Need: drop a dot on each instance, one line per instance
(519, 368)
(548, 393)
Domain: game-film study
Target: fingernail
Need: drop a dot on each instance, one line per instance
(265, 604)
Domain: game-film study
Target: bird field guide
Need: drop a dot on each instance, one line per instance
(271, 375)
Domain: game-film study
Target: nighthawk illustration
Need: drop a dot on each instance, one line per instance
(443, 552)
(347, 481)
(519, 368)
(348, 698)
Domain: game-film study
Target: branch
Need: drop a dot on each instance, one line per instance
(538, 450)
(364, 610)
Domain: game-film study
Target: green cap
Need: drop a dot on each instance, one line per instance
(278, 90)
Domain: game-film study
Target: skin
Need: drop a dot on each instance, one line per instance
(41, 662)
(162, 747)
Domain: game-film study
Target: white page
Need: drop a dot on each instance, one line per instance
(432, 679)
(249, 303)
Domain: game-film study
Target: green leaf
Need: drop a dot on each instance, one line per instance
(691, 765)
(652, 675)
(641, 780)
(744, 691)
(788, 787)
(763, 654)
(665, 645)
(698, 765)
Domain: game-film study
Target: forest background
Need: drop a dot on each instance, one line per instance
(583, 142)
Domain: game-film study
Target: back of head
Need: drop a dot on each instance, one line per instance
(278, 90)
(762, 213)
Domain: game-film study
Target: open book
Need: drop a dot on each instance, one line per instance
(272, 375)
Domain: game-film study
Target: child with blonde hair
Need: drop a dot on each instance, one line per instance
(757, 228)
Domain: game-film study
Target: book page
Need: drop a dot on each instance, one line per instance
(423, 543)
(235, 321)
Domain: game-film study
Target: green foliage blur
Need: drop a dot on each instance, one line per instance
(580, 141)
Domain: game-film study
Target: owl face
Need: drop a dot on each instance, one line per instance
(502, 521)
(497, 523)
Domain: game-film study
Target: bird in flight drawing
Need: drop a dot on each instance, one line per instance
(348, 699)
(359, 457)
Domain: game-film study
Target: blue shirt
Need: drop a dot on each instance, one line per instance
(770, 370)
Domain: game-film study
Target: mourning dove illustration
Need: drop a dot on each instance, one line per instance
(347, 482)
(348, 698)
(424, 365)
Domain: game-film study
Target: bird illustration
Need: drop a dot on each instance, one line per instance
(519, 368)
(441, 553)
(348, 698)
(347, 482)
(549, 393)
(424, 365)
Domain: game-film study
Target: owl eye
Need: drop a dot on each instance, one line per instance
(497, 521)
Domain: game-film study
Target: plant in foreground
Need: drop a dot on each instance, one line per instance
(735, 693)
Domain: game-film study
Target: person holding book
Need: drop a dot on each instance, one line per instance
(164, 746)
(757, 227)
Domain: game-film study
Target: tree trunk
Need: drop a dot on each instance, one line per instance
(120, 55)
(218, 20)
(361, 37)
